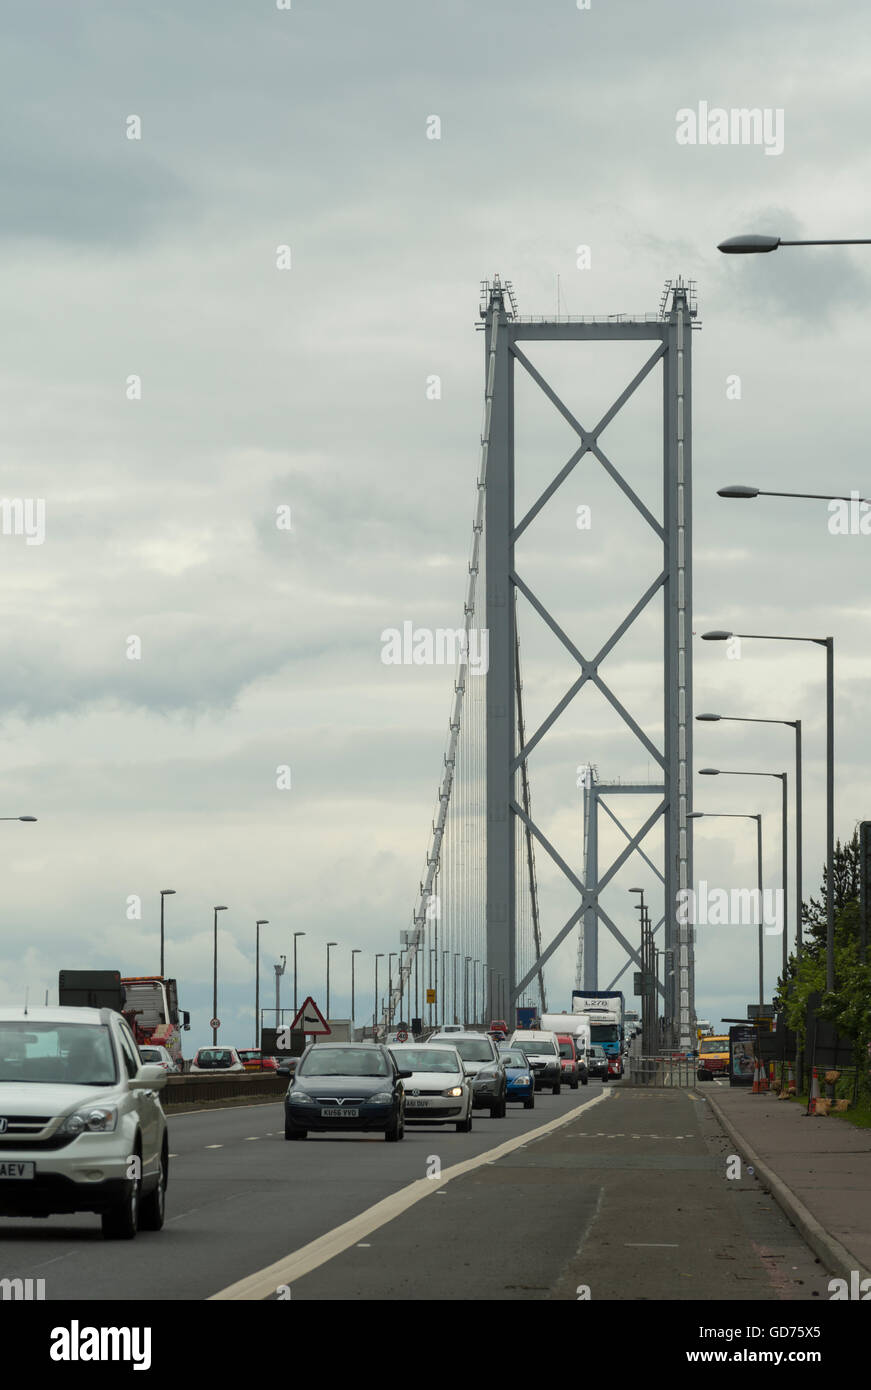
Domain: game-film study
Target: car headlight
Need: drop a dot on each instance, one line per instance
(521, 1080)
(454, 1091)
(381, 1098)
(485, 1076)
(93, 1119)
(301, 1096)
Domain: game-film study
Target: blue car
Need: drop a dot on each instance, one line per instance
(521, 1082)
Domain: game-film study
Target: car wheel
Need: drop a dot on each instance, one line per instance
(153, 1207)
(494, 1111)
(529, 1104)
(556, 1089)
(393, 1133)
(574, 1085)
(121, 1221)
(584, 1080)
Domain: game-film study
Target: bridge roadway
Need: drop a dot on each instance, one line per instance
(629, 1198)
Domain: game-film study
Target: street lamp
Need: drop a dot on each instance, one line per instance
(356, 952)
(750, 245)
(261, 922)
(379, 956)
(746, 815)
(295, 1000)
(30, 818)
(391, 956)
(215, 977)
(329, 945)
(739, 490)
(829, 644)
(164, 893)
(792, 724)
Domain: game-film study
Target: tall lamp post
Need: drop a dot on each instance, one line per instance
(262, 922)
(745, 815)
(164, 893)
(379, 956)
(330, 944)
(796, 725)
(782, 776)
(295, 999)
(829, 644)
(356, 952)
(215, 975)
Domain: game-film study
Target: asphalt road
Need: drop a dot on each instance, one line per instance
(240, 1197)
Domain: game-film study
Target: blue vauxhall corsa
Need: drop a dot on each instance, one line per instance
(521, 1082)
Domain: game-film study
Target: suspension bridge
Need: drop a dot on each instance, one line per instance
(477, 946)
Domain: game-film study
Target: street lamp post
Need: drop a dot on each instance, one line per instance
(215, 975)
(829, 644)
(796, 725)
(391, 956)
(745, 815)
(295, 998)
(164, 893)
(330, 944)
(356, 952)
(379, 956)
(456, 955)
(730, 772)
(262, 922)
(750, 245)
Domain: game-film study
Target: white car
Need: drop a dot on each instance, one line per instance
(158, 1055)
(77, 1106)
(216, 1061)
(438, 1090)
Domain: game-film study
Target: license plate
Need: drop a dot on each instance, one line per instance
(417, 1104)
(340, 1113)
(17, 1170)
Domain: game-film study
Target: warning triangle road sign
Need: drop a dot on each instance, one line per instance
(310, 1019)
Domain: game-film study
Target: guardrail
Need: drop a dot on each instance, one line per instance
(251, 1085)
(660, 1071)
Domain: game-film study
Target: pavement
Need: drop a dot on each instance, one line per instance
(817, 1168)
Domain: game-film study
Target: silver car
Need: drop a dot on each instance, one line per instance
(438, 1090)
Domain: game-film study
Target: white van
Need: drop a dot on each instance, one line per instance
(542, 1049)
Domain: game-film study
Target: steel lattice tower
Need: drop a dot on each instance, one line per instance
(670, 331)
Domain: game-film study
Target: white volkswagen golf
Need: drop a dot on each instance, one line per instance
(81, 1124)
(438, 1090)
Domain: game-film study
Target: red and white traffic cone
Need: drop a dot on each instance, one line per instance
(756, 1082)
(815, 1094)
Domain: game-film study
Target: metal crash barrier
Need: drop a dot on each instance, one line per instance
(660, 1071)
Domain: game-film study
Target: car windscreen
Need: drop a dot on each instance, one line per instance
(214, 1057)
(338, 1061)
(536, 1048)
(514, 1059)
(425, 1059)
(150, 1054)
(70, 1054)
(249, 1056)
(471, 1050)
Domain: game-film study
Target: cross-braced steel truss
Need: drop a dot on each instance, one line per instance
(671, 332)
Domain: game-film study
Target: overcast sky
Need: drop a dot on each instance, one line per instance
(306, 388)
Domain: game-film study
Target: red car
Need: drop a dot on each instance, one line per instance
(253, 1060)
(568, 1060)
(615, 1066)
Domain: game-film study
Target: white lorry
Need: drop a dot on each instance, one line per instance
(576, 1025)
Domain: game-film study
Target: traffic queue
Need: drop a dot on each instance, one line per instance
(439, 1079)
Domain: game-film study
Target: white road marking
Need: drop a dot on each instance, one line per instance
(213, 1146)
(250, 1138)
(262, 1283)
(650, 1245)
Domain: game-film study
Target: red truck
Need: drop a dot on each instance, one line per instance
(148, 1002)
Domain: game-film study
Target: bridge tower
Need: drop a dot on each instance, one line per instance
(670, 333)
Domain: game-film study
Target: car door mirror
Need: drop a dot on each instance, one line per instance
(150, 1077)
(404, 1075)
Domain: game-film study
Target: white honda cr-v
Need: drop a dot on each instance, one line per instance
(81, 1124)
